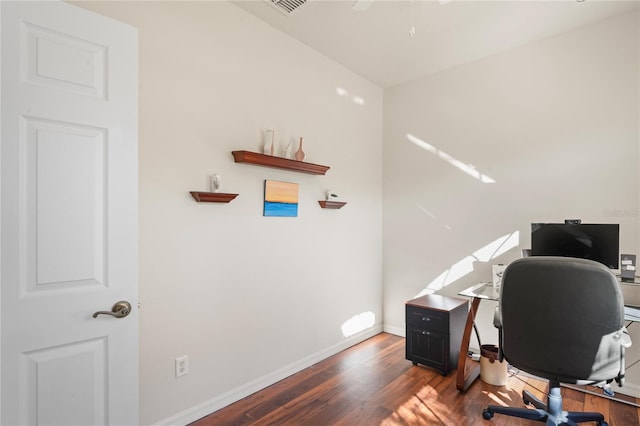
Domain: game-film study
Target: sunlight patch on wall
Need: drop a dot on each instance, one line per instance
(464, 266)
(433, 216)
(358, 323)
(424, 210)
(469, 169)
(343, 93)
(455, 272)
(498, 247)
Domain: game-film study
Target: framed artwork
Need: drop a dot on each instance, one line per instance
(280, 198)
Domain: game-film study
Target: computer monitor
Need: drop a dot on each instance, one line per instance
(595, 241)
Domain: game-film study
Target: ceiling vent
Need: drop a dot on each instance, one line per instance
(286, 6)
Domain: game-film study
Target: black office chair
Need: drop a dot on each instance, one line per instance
(561, 319)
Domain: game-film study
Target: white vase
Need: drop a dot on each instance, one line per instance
(289, 152)
(268, 142)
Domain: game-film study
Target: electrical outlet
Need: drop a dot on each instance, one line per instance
(182, 366)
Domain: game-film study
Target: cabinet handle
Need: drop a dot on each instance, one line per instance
(426, 319)
(425, 333)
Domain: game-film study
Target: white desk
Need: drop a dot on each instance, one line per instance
(468, 372)
(631, 313)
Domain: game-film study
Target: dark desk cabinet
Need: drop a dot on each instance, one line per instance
(434, 327)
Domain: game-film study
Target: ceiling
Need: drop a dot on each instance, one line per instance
(376, 42)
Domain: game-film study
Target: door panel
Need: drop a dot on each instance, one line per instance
(62, 61)
(44, 371)
(68, 194)
(65, 165)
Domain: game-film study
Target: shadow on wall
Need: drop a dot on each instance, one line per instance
(465, 265)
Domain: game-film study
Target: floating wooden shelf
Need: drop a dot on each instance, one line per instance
(331, 204)
(212, 197)
(278, 162)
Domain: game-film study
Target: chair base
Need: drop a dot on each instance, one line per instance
(550, 413)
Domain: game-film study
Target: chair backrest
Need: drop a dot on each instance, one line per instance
(561, 318)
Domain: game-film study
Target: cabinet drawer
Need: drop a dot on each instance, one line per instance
(429, 348)
(427, 319)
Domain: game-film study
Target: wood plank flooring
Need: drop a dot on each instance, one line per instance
(373, 384)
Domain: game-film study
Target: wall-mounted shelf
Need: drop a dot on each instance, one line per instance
(278, 162)
(212, 197)
(331, 204)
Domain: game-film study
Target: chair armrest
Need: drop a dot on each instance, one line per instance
(497, 318)
(625, 342)
(497, 322)
(625, 339)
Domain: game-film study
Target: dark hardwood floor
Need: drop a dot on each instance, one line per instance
(373, 384)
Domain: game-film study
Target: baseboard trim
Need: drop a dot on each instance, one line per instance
(392, 329)
(198, 411)
(629, 389)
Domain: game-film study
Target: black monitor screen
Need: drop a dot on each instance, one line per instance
(599, 242)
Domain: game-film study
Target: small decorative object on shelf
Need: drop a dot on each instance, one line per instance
(278, 162)
(288, 153)
(300, 152)
(215, 183)
(329, 195)
(212, 197)
(268, 142)
(326, 204)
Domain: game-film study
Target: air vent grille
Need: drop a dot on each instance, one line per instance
(286, 6)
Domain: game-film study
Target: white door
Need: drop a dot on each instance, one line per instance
(68, 225)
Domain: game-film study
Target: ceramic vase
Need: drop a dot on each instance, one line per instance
(289, 151)
(300, 152)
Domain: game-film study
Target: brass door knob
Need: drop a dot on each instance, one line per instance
(120, 310)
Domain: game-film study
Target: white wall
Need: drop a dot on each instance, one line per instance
(249, 299)
(554, 123)
(246, 296)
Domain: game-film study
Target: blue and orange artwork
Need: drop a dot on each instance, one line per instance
(280, 198)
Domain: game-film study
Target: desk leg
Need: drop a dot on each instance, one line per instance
(466, 374)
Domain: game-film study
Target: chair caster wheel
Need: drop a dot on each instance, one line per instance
(487, 415)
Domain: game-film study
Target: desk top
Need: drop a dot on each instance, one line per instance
(630, 293)
(437, 302)
(486, 291)
(481, 291)
(631, 313)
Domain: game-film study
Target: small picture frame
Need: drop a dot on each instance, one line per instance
(628, 267)
(496, 272)
(280, 199)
